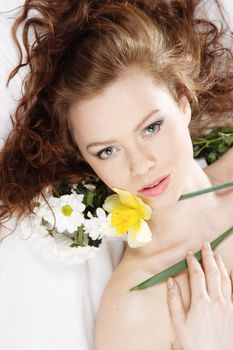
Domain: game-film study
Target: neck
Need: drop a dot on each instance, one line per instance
(185, 214)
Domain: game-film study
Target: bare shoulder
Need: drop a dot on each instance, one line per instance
(222, 169)
(132, 320)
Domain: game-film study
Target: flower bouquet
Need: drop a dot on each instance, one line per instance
(76, 218)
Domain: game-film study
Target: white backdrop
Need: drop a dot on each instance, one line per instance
(6, 5)
(8, 59)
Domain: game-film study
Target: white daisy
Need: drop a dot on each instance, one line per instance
(65, 212)
(95, 225)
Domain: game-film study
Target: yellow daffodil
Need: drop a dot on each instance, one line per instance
(127, 216)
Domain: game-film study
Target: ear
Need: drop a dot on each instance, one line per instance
(185, 108)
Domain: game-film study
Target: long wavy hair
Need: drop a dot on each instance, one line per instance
(74, 49)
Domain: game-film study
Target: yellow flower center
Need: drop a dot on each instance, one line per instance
(66, 210)
(124, 219)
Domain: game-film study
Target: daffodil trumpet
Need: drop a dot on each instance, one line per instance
(128, 215)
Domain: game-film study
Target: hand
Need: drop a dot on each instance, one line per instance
(208, 324)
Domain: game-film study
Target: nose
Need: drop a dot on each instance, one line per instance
(140, 163)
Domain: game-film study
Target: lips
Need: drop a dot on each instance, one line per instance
(152, 184)
(157, 187)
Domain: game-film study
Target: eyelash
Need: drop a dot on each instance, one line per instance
(158, 124)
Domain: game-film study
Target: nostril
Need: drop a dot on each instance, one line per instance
(141, 167)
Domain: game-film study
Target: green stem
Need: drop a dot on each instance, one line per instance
(180, 266)
(206, 190)
(225, 135)
(209, 141)
(199, 150)
(199, 142)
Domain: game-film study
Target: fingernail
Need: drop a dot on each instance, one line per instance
(190, 253)
(170, 282)
(218, 257)
(206, 246)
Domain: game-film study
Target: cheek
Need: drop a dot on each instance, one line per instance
(182, 151)
(180, 141)
(109, 174)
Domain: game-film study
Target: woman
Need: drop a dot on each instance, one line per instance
(96, 77)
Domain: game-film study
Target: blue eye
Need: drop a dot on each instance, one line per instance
(105, 153)
(108, 152)
(154, 127)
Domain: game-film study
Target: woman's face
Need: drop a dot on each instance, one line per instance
(134, 133)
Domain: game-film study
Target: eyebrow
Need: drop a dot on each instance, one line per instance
(154, 111)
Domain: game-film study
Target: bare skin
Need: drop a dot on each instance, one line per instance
(207, 323)
(141, 319)
(132, 133)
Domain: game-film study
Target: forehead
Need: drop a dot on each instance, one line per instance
(127, 100)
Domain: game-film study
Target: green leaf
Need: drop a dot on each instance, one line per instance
(80, 189)
(229, 140)
(212, 156)
(222, 147)
(89, 198)
(208, 145)
(78, 238)
(178, 267)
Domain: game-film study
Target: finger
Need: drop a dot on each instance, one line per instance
(211, 270)
(225, 278)
(231, 285)
(196, 278)
(175, 304)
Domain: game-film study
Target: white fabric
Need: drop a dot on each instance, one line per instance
(46, 304)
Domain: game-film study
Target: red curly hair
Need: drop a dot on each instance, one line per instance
(81, 47)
